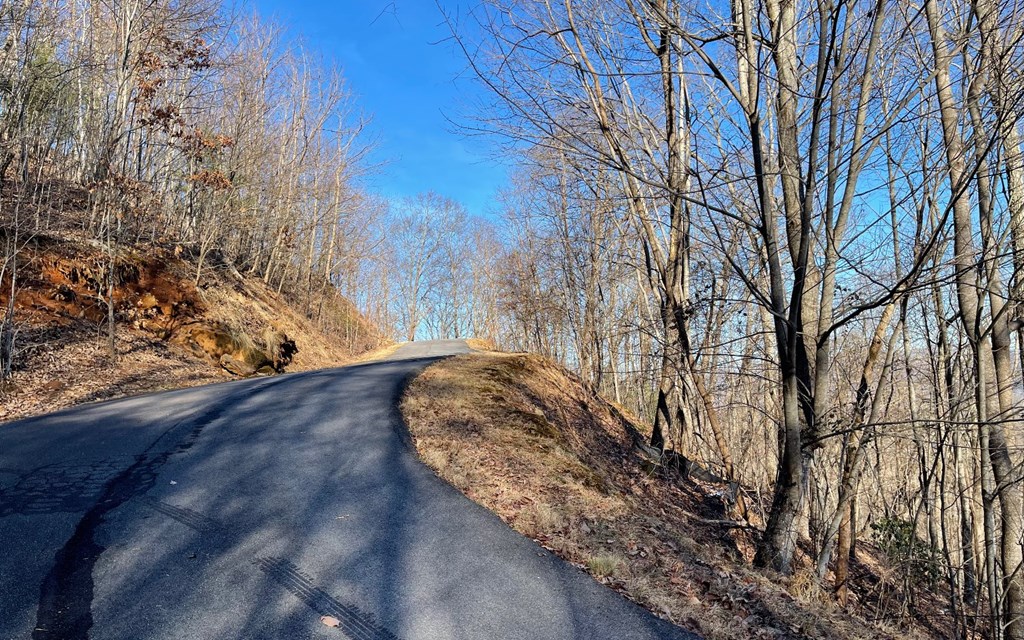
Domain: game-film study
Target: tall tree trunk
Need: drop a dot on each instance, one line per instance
(991, 355)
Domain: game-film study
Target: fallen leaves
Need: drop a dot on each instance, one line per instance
(74, 356)
(330, 621)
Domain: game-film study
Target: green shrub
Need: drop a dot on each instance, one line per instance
(897, 539)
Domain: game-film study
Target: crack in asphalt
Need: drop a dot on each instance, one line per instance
(66, 595)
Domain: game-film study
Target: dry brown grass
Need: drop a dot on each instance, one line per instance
(530, 442)
(249, 309)
(378, 354)
(481, 344)
(72, 367)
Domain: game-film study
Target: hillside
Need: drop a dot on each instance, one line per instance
(525, 438)
(172, 328)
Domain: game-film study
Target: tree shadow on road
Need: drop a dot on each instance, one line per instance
(259, 506)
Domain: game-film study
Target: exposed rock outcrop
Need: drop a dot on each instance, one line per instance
(234, 353)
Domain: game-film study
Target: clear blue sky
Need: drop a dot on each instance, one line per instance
(405, 75)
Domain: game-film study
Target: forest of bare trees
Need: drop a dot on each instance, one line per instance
(189, 123)
(178, 123)
(432, 273)
(789, 235)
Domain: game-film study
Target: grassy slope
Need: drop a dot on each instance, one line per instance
(529, 441)
(63, 356)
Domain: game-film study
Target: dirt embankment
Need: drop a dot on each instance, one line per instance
(169, 333)
(532, 443)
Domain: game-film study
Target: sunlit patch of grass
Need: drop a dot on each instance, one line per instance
(436, 459)
(541, 520)
(378, 354)
(539, 448)
(604, 564)
(481, 344)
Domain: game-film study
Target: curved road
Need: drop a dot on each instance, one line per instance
(250, 509)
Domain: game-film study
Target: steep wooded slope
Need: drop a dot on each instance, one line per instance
(528, 440)
(175, 324)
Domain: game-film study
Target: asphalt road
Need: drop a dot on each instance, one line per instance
(250, 509)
